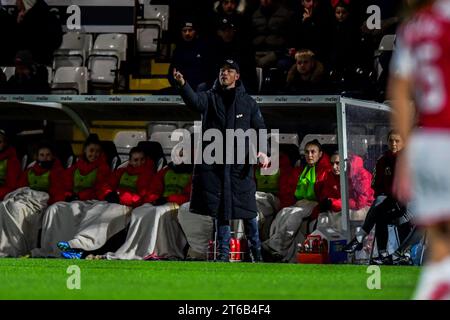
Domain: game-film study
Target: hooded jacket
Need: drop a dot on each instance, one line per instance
(360, 191)
(8, 160)
(39, 32)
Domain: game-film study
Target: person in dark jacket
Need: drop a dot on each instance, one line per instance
(38, 30)
(386, 209)
(191, 56)
(7, 37)
(227, 45)
(29, 77)
(226, 191)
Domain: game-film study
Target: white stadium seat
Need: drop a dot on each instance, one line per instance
(111, 42)
(387, 45)
(164, 138)
(73, 50)
(147, 37)
(105, 58)
(125, 140)
(70, 80)
(9, 71)
(157, 13)
(161, 127)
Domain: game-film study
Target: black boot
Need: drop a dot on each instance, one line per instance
(353, 246)
(256, 255)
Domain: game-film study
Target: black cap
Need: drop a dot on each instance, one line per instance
(189, 23)
(230, 63)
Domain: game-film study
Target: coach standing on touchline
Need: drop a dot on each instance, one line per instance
(226, 191)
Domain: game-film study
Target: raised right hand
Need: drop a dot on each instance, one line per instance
(178, 77)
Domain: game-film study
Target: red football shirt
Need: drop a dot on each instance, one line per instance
(423, 55)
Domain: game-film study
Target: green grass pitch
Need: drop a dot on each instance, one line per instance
(170, 280)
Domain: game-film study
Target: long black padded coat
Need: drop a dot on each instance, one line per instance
(225, 191)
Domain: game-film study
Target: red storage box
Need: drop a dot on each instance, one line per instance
(313, 258)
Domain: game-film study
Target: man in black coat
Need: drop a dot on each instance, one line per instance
(7, 37)
(226, 191)
(38, 30)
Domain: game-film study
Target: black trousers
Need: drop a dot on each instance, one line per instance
(381, 215)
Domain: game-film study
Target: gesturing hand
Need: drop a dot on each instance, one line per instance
(178, 77)
(263, 160)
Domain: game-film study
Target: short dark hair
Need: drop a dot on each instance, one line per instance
(92, 139)
(45, 144)
(136, 150)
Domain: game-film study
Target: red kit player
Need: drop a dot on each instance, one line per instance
(420, 71)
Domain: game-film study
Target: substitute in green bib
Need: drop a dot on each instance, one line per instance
(155, 232)
(298, 196)
(83, 183)
(127, 188)
(22, 210)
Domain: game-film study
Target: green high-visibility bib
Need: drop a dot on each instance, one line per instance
(3, 165)
(81, 182)
(39, 183)
(128, 182)
(174, 183)
(305, 184)
(267, 183)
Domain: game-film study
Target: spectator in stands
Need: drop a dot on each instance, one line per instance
(306, 76)
(22, 209)
(272, 34)
(228, 46)
(201, 10)
(128, 188)
(7, 38)
(9, 166)
(232, 10)
(312, 19)
(38, 30)
(386, 209)
(191, 56)
(298, 196)
(360, 193)
(344, 50)
(154, 231)
(83, 184)
(29, 77)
